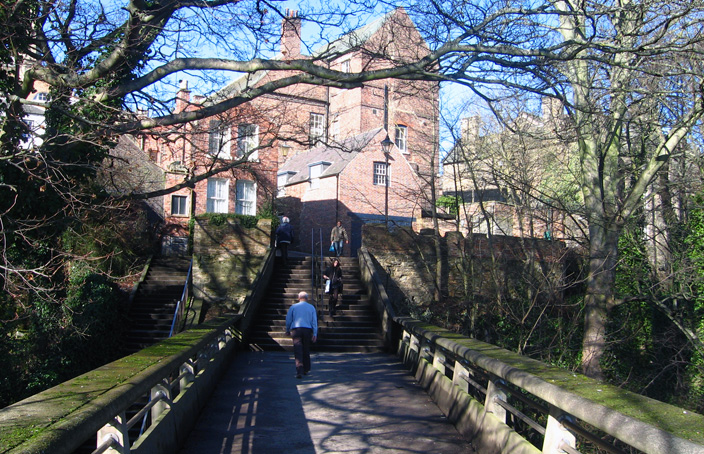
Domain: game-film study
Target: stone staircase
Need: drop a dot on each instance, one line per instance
(355, 327)
(152, 310)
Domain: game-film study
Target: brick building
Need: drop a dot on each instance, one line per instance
(311, 152)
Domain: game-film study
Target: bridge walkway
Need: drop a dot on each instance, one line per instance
(349, 403)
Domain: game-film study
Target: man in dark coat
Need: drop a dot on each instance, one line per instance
(284, 237)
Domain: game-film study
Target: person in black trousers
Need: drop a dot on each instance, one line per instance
(284, 237)
(302, 326)
(334, 275)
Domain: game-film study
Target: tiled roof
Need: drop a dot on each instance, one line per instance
(338, 155)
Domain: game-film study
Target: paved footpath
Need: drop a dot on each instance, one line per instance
(350, 403)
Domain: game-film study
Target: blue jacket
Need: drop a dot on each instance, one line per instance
(284, 233)
(302, 315)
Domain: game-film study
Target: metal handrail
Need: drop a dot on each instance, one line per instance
(317, 263)
(178, 312)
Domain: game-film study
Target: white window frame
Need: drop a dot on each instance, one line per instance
(382, 173)
(248, 141)
(317, 128)
(401, 139)
(180, 197)
(219, 140)
(314, 172)
(246, 197)
(345, 66)
(218, 195)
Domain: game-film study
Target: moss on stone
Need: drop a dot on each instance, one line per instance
(26, 420)
(682, 423)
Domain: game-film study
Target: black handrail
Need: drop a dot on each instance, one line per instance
(316, 273)
(180, 305)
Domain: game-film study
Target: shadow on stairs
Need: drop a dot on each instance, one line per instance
(355, 327)
(152, 311)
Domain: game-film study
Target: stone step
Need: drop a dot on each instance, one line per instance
(153, 307)
(354, 328)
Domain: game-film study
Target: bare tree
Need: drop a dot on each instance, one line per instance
(603, 61)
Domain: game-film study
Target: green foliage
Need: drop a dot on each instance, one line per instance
(450, 203)
(113, 240)
(61, 339)
(694, 244)
(247, 221)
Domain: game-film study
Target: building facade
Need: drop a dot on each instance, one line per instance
(311, 153)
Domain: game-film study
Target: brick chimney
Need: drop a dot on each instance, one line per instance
(291, 35)
(183, 96)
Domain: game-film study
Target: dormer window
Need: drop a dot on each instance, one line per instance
(42, 96)
(281, 180)
(315, 170)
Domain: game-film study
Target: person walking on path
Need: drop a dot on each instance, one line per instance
(334, 274)
(284, 237)
(302, 326)
(338, 238)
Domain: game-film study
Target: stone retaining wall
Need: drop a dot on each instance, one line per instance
(226, 259)
(408, 259)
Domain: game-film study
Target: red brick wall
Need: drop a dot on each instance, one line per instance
(283, 120)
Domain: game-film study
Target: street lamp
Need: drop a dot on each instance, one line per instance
(386, 145)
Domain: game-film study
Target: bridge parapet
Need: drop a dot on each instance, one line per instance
(506, 402)
(177, 375)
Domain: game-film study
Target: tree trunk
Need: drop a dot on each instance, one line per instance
(603, 254)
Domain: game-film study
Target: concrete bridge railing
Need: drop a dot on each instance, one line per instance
(143, 403)
(507, 403)
(177, 375)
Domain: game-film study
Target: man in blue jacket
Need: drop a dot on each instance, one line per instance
(302, 325)
(284, 237)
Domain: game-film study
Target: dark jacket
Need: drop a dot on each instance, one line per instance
(284, 233)
(335, 275)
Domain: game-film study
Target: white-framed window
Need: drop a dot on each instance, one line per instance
(345, 66)
(217, 195)
(248, 141)
(179, 205)
(246, 198)
(42, 96)
(219, 139)
(317, 128)
(382, 173)
(402, 138)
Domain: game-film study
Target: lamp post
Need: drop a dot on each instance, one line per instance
(386, 148)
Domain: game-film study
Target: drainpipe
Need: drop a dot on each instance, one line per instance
(337, 197)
